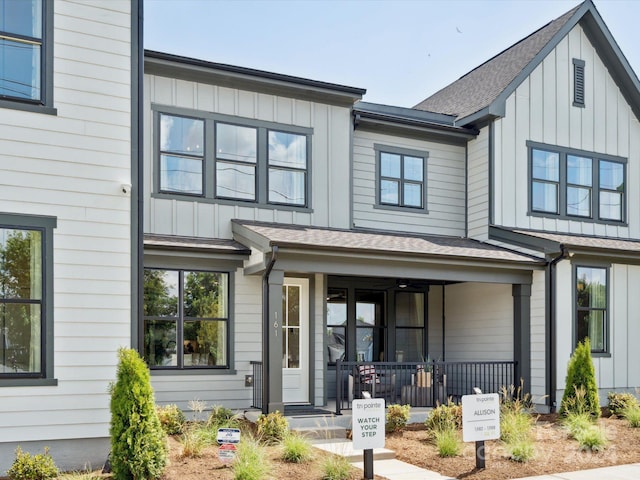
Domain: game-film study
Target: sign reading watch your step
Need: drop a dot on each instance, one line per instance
(368, 423)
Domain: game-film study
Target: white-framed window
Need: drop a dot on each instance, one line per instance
(569, 183)
(186, 319)
(591, 315)
(26, 306)
(401, 178)
(228, 159)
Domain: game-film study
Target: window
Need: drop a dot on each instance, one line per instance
(225, 159)
(409, 326)
(336, 324)
(591, 307)
(574, 184)
(25, 58)
(186, 319)
(578, 83)
(26, 310)
(401, 177)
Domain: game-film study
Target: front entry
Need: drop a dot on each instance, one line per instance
(295, 340)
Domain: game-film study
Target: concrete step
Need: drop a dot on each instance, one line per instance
(322, 433)
(345, 448)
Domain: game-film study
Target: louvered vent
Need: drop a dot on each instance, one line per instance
(578, 82)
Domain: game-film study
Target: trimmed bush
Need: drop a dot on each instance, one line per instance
(32, 467)
(138, 444)
(272, 427)
(618, 402)
(445, 417)
(397, 417)
(296, 449)
(171, 418)
(581, 374)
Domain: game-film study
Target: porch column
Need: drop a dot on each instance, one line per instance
(274, 354)
(522, 334)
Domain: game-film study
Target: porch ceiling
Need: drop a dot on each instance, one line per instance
(364, 252)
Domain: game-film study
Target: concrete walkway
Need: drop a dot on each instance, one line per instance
(386, 466)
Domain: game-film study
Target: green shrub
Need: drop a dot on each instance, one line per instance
(581, 374)
(397, 417)
(32, 467)
(445, 417)
(272, 427)
(296, 449)
(632, 414)
(251, 461)
(447, 442)
(336, 467)
(222, 417)
(618, 402)
(193, 440)
(138, 445)
(171, 418)
(521, 450)
(577, 422)
(515, 426)
(592, 438)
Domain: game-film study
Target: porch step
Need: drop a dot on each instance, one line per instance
(322, 433)
(345, 448)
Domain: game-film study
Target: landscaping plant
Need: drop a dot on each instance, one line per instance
(171, 418)
(32, 467)
(296, 448)
(618, 402)
(447, 442)
(194, 440)
(222, 417)
(592, 438)
(336, 467)
(581, 374)
(521, 450)
(272, 427)
(445, 417)
(138, 444)
(397, 417)
(251, 461)
(632, 415)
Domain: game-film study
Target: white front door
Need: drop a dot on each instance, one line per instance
(295, 340)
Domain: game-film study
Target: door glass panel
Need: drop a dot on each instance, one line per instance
(291, 326)
(371, 332)
(409, 309)
(409, 345)
(336, 323)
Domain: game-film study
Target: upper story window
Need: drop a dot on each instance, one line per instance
(578, 82)
(186, 319)
(25, 58)
(227, 159)
(574, 184)
(25, 304)
(591, 307)
(401, 179)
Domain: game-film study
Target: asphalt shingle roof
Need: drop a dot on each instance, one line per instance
(213, 245)
(581, 241)
(477, 89)
(381, 242)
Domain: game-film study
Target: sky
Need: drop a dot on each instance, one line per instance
(400, 51)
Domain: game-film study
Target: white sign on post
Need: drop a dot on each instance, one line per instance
(480, 417)
(368, 429)
(228, 435)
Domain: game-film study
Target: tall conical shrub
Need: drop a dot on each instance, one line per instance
(581, 375)
(139, 448)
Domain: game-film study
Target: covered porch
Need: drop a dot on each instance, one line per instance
(434, 316)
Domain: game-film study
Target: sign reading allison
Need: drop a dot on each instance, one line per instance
(368, 423)
(480, 417)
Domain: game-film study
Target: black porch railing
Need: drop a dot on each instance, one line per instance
(419, 384)
(257, 385)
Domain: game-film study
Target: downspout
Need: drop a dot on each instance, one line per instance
(551, 328)
(265, 328)
(443, 315)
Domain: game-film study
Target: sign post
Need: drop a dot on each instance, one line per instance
(368, 429)
(228, 438)
(480, 422)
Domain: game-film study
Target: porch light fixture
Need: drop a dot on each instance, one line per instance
(402, 284)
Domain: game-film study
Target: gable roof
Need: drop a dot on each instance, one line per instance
(482, 93)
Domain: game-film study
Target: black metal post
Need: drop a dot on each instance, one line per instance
(480, 454)
(368, 464)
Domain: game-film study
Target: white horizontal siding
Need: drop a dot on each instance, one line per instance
(71, 166)
(445, 185)
(541, 110)
(328, 166)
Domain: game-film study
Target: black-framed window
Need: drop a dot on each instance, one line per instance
(570, 183)
(227, 159)
(186, 319)
(401, 178)
(410, 326)
(26, 58)
(26, 306)
(336, 324)
(592, 301)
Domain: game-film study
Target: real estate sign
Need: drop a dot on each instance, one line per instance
(480, 417)
(368, 428)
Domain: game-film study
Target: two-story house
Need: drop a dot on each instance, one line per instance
(68, 220)
(290, 227)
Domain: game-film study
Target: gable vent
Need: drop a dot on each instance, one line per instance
(578, 83)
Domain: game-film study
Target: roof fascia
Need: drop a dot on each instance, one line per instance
(249, 237)
(403, 112)
(523, 240)
(498, 106)
(175, 66)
